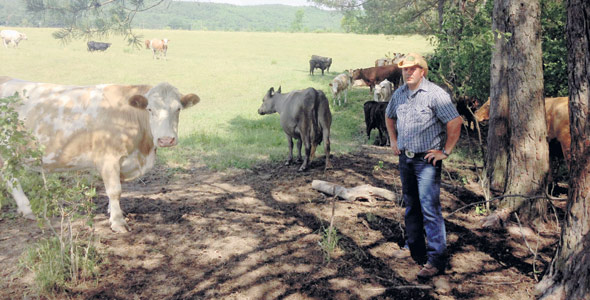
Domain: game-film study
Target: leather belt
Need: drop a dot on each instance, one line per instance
(410, 154)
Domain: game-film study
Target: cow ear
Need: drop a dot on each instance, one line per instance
(271, 92)
(138, 101)
(189, 100)
(279, 90)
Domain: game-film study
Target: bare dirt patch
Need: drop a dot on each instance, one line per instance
(254, 234)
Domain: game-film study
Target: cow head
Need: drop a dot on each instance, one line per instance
(268, 106)
(163, 103)
(356, 74)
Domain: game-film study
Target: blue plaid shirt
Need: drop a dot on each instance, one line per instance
(421, 116)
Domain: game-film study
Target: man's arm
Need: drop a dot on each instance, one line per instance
(453, 134)
(392, 131)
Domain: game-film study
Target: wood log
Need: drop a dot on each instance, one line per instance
(361, 192)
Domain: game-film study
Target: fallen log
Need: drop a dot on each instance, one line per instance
(361, 192)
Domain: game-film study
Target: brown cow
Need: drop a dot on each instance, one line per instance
(558, 122)
(374, 75)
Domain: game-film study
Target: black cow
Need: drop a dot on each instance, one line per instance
(319, 62)
(305, 115)
(97, 46)
(375, 118)
(466, 106)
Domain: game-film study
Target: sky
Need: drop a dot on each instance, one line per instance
(259, 2)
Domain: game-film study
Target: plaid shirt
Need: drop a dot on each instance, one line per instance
(421, 116)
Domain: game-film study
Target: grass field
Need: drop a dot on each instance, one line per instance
(230, 71)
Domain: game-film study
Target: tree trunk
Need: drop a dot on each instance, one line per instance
(518, 153)
(569, 274)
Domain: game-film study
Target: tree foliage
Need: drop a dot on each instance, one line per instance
(386, 16)
(463, 51)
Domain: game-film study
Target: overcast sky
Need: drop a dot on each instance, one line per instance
(259, 2)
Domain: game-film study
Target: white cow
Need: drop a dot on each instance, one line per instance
(339, 84)
(113, 129)
(11, 37)
(383, 91)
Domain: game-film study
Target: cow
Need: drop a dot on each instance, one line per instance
(375, 119)
(339, 84)
(319, 62)
(383, 91)
(97, 46)
(305, 115)
(384, 61)
(374, 75)
(466, 107)
(113, 129)
(158, 46)
(12, 37)
(557, 117)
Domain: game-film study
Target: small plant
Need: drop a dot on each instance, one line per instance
(329, 242)
(378, 166)
(371, 217)
(480, 210)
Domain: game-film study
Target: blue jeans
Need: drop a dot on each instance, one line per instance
(421, 192)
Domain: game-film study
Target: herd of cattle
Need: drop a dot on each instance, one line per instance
(159, 47)
(116, 129)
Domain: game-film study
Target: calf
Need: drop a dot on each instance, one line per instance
(383, 91)
(374, 75)
(375, 118)
(305, 115)
(339, 84)
(12, 37)
(113, 129)
(97, 46)
(319, 62)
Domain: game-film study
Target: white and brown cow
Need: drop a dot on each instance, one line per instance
(158, 46)
(341, 83)
(12, 37)
(113, 129)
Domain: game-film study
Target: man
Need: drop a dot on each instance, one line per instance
(424, 127)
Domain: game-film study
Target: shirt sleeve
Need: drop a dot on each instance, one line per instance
(391, 110)
(444, 109)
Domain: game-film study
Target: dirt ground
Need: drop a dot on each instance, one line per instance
(255, 234)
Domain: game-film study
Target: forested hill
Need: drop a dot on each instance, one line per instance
(202, 16)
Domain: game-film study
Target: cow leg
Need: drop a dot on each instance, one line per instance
(22, 202)
(306, 160)
(110, 173)
(345, 95)
(326, 140)
(299, 142)
(290, 143)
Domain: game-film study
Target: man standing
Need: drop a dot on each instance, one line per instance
(423, 126)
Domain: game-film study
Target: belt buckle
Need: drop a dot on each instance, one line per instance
(409, 154)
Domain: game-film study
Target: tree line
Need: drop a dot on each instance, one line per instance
(190, 16)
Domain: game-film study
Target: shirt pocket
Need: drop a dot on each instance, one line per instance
(423, 115)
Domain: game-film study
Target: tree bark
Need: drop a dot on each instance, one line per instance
(569, 274)
(518, 153)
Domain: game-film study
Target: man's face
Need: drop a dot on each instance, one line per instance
(413, 75)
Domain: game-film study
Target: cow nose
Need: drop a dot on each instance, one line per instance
(166, 142)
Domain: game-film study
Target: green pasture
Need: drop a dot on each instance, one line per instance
(230, 71)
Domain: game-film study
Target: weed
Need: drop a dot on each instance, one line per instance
(329, 242)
